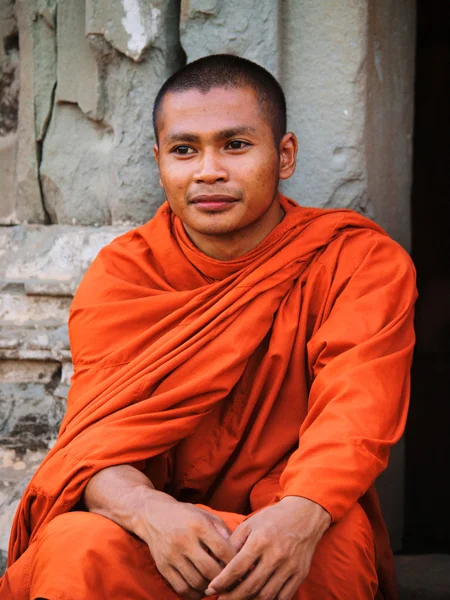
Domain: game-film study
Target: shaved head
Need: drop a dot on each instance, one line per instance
(229, 72)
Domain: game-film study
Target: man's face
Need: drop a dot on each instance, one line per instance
(218, 162)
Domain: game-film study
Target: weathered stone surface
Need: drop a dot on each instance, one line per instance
(84, 154)
(79, 84)
(9, 63)
(16, 469)
(251, 29)
(324, 75)
(74, 168)
(37, 341)
(9, 106)
(30, 415)
(28, 203)
(132, 189)
(8, 157)
(37, 81)
(390, 110)
(23, 310)
(44, 65)
(103, 172)
(27, 371)
(3, 556)
(40, 268)
(35, 253)
(130, 26)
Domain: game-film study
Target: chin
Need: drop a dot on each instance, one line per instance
(216, 230)
(213, 226)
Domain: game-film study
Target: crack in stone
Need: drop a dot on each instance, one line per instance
(39, 153)
(45, 126)
(55, 380)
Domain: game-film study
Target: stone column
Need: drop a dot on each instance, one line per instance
(389, 113)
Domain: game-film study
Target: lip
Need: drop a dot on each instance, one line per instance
(213, 202)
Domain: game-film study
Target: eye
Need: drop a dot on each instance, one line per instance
(183, 150)
(237, 145)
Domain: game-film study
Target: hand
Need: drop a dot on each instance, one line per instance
(275, 549)
(189, 545)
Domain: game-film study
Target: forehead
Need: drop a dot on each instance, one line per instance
(204, 112)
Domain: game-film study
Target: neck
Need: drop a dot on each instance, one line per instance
(232, 245)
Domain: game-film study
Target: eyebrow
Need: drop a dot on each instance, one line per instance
(188, 136)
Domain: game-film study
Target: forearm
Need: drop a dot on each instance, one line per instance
(318, 520)
(121, 493)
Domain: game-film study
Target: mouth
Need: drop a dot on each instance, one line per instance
(213, 202)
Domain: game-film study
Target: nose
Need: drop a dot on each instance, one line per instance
(210, 169)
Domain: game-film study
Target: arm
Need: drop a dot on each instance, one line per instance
(189, 545)
(359, 361)
(120, 494)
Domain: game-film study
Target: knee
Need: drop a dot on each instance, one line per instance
(352, 537)
(345, 558)
(78, 529)
(88, 552)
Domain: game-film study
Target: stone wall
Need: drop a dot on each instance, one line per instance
(77, 82)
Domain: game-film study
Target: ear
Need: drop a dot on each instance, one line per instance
(156, 154)
(288, 155)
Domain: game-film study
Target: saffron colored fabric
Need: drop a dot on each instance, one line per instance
(232, 384)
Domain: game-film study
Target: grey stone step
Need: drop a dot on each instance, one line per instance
(423, 576)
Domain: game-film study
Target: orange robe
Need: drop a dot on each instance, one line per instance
(231, 384)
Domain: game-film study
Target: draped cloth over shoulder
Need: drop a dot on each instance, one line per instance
(213, 376)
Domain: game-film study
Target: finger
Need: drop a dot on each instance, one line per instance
(220, 547)
(239, 536)
(235, 570)
(274, 584)
(192, 575)
(206, 564)
(253, 583)
(181, 586)
(290, 588)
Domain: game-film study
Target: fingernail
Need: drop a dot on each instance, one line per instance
(210, 592)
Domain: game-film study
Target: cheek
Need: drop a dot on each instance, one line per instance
(262, 176)
(264, 167)
(173, 178)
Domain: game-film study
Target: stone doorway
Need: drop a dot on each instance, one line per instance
(427, 518)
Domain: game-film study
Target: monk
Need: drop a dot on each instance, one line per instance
(241, 373)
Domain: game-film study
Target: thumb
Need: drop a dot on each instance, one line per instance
(239, 536)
